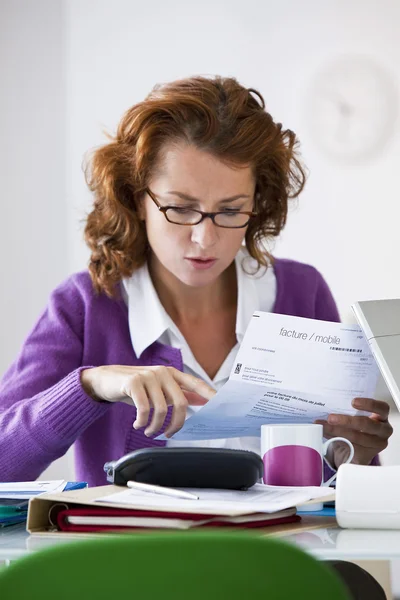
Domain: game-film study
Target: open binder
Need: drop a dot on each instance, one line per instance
(80, 511)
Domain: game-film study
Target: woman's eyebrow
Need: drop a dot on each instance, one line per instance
(192, 199)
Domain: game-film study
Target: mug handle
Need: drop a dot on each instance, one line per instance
(325, 450)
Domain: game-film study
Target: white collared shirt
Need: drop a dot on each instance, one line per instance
(149, 322)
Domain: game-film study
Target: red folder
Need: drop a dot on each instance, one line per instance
(117, 519)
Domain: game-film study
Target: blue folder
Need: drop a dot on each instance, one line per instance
(14, 511)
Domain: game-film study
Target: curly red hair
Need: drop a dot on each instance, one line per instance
(217, 115)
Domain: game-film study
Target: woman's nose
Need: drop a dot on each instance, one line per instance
(205, 234)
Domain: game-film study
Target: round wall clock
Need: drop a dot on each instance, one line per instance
(352, 108)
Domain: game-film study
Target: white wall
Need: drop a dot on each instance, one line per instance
(32, 164)
(33, 235)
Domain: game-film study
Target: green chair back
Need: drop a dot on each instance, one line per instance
(204, 565)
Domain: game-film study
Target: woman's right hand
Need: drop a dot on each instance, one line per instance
(145, 388)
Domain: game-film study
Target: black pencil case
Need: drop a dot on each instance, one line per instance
(188, 467)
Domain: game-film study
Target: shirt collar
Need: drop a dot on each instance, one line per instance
(148, 319)
(248, 301)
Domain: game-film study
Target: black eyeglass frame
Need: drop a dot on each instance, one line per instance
(203, 215)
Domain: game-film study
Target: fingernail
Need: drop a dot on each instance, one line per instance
(333, 419)
(356, 403)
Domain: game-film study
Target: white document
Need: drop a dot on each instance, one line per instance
(287, 370)
(259, 498)
(22, 490)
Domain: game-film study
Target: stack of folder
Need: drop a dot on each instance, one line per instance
(15, 496)
(114, 508)
(13, 511)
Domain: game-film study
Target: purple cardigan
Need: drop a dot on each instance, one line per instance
(43, 408)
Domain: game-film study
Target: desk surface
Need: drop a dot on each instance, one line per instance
(325, 543)
(347, 544)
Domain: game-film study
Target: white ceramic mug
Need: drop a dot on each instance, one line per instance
(294, 454)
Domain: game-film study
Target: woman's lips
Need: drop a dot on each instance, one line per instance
(201, 263)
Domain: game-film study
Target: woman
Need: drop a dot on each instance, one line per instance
(194, 173)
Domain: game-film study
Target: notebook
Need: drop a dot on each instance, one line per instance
(117, 519)
(380, 322)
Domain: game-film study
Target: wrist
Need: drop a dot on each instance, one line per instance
(87, 383)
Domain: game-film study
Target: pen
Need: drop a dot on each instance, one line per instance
(159, 489)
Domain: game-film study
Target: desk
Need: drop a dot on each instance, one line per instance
(15, 542)
(321, 538)
(371, 549)
(326, 543)
(349, 544)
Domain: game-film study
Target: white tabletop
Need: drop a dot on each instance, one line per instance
(15, 541)
(346, 544)
(324, 544)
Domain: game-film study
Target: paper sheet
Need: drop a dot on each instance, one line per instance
(259, 498)
(27, 489)
(288, 370)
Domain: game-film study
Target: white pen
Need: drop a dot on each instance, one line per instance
(159, 489)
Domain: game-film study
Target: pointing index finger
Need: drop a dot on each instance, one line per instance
(193, 384)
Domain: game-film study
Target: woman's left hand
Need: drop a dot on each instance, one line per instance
(368, 434)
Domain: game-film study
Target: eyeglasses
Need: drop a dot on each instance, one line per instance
(179, 215)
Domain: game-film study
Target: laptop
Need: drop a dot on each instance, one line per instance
(380, 322)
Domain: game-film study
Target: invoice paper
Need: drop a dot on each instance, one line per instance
(287, 370)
